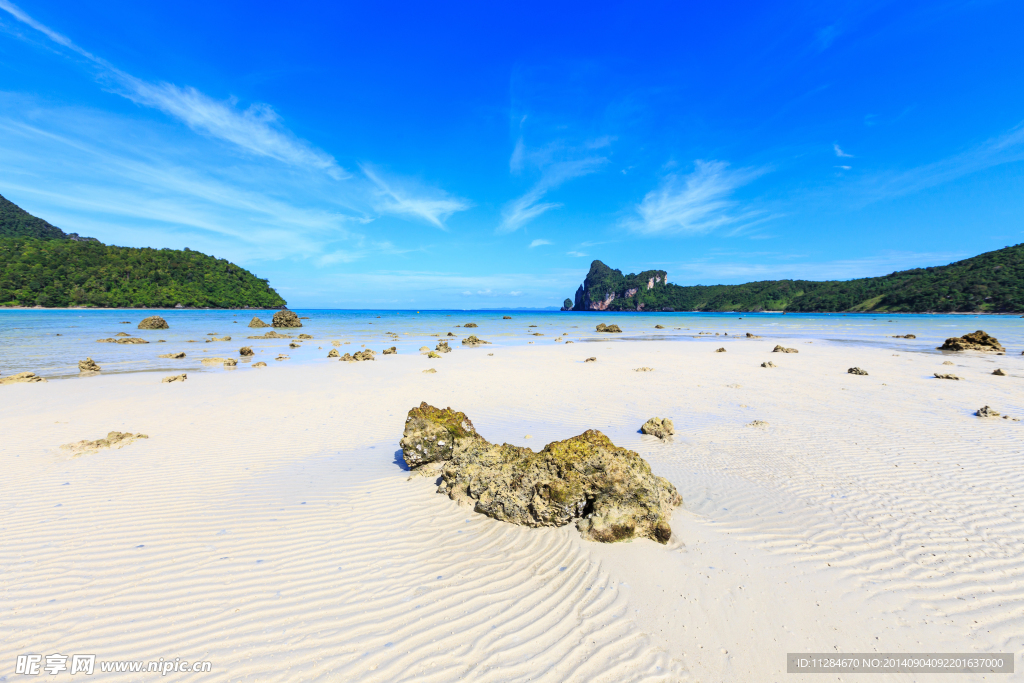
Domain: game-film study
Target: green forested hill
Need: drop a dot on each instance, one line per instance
(40, 265)
(991, 282)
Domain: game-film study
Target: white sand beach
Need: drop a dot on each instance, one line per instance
(269, 526)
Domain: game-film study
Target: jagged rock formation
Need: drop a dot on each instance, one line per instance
(256, 322)
(359, 356)
(153, 322)
(180, 354)
(333, 353)
(609, 492)
(779, 348)
(174, 378)
(985, 411)
(112, 440)
(975, 341)
(607, 328)
(123, 340)
(88, 365)
(27, 377)
(856, 371)
(606, 289)
(661, 428)
(286, 319)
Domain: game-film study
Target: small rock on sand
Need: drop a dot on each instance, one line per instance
(112, 440)
(975, 341)
(256, 322)
(305, 336)
(153, 322)
(174, 378)
(768, 364)
(180, 354)
(88, 365)
(608, 328)
(758, 423)
(947, 362)
(442, 347)
(752, 336)
(294, 345)
(260, 364)
(940, 375)
(433, 354)
(643, 369)
(779, 348)
(592, 359)
(333, 353)
(659, 327)
(27, 377)
(472, 340)
(246, 351)
(429, 371)
(985, 411)
(856, 371)
(720, 350)
(661, 428)
(999, 371)
(390, 351)
(286, 319)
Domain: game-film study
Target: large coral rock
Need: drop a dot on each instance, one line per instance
(256, 322)
(975, 341)
(21, 377)
(609, 492)
(661, 428)
(88, 365)
(608, 328)
(153, 322)
(286, 319)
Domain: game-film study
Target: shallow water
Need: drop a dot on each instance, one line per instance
(51, 342)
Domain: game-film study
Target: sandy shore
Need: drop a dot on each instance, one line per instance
(268, 526)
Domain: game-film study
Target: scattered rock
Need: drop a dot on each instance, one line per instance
(260, 364)
(720, 350)
(856, 371)
(942, 376)
(88, 365)
(333, 354)
(286, 319)
(472, 340)
(451, 334)
(608, 328)
(153, 322)
(246, 351)
(305, 336)
(659, 327)
(643, 369)
(442, 347)
(429, 371)
(663, 429)
(432, 354)
(174, 378)
(230, 362)
(975, 341)
(947, 362)
(129, 322)
(999, 371)
(609, 492)
(758, 423)
(470, 325)
(213, 361)
(568, 342)
(213, 339)
(768, 364)
(752, 336)
(904, 336)
(112, 440)
(294, 345)
(537, 334)
(779, 348)
(124, 340)
(985, 411)
(122, 334)
(282, 356)
(592, 359)
(28, 377)
(390, 352)
(180, 354)
(359, 356)
(335, 343)
(256, 322)
(508, 317)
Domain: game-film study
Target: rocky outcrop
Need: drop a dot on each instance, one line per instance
(246, 351)
(975, 341)
(779, 348)
(27, 377)
(180, 354)
(609, 492)
(286, 319)
(123, 340)
(939, 375)
(472, 340)
(442, 347)
(1000, 372)
(271, 334)
(230, 362)
(607, 328)
(752, 336)
(661, 428)
(390, 351)
(112, 440)
(153, 322)
(333, 353)
(256, 322)
(88, 365)
(985, 411)
(856, 371)
(174, 378)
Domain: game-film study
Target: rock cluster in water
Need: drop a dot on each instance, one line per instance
(359, 356)
(153, 322)
(975, 341)
(609, 492)
(608, 328)
(286, 319)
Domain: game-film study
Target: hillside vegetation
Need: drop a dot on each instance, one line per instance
(40, 265)
(991, 282)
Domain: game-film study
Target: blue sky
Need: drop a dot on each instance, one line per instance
(473, 155)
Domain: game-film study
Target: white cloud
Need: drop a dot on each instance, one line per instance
(841, 153)
(256, 130)
(431, 205)
(695, 203)
(574, 253)
(538, 243)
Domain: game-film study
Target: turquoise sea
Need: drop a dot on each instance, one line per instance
(51, 342)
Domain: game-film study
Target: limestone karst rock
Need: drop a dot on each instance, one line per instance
(609, 492)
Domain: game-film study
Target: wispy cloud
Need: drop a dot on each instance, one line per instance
(840, 152)
(256, 130)
(695, 203)
(538, 243)
(524, 209)
(401, 198)
(574, 253)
